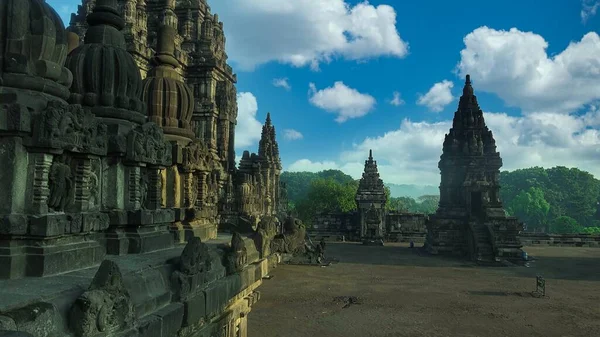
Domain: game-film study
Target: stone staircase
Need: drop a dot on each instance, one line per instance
(484, 250)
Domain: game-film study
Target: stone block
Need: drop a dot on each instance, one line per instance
(38, 319)
(141, 217)
(194, 309)
(95, 222)
(171, 318)
(164, 216)
(49, 225)
(150, 326)
(13, 225)
(217, 295)
(117, 217)
(4, 333)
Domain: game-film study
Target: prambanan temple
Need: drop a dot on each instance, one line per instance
(118, 169)
(123, 212)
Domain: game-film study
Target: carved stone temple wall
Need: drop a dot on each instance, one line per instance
(117, 147)
(470, 219)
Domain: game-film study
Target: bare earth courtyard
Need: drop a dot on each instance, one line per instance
(402, 293)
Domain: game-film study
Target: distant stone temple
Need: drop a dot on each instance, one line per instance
(470, 219)
(371, 222)
(117, 144)
(370, 202)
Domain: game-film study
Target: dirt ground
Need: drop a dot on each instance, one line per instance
(400, 292)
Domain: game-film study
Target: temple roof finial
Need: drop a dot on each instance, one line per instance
(370, 154)
(268, 118)
(468, 89)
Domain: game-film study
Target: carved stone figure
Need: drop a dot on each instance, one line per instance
(94, 186)
(61, 184)
(143, 189)
(237, 256)
(195, 257)
(105, 308)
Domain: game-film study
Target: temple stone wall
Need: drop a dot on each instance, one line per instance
(115, 159)
(400, 227)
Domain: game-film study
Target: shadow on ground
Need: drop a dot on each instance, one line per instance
(574, 264)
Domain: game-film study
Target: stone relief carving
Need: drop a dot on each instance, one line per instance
(105, 308)
(196, 156)
(147, 144)
(60, 183)
(70, 127)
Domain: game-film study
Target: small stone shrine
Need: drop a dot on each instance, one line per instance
(470, 219)
(370, 201)
(117, 144)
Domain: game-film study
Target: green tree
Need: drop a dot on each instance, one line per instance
(428, 204)
(403, 204)
(565, 225)
(531, 207)
(327, 195)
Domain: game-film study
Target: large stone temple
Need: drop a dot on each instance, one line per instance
(470, 219)
(117, 144)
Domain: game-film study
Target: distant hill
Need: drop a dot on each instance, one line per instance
(298, 183)
(413, 191)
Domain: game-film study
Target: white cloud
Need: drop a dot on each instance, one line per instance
(305, 165)
(342, 100)
(410, 154)
(588, 9)
(282, 83)
(515, 66)
(291, 134)
(248, 129)
(307, 32)
(438, 96)
(397, 100)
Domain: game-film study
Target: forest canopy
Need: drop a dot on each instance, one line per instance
(557, 200)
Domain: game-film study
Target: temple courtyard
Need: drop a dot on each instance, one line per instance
(398, 291)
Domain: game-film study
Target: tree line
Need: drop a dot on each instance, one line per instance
(555, 200)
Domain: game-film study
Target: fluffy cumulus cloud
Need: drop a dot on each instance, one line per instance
(438, 96)
(282, 83)
(559, 97)
(588, 9)
(397, 99)
(248, 129)
(291, 134)
(307, 32)
(409, 155)
(342, 100)
(515, 66)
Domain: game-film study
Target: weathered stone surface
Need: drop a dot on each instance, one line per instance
(105, 307)
(39, 319)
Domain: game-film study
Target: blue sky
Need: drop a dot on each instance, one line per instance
(540, 101)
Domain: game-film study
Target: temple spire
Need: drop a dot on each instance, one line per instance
(370, 155)
(268, 122)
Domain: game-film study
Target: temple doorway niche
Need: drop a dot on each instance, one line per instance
(476, 202)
